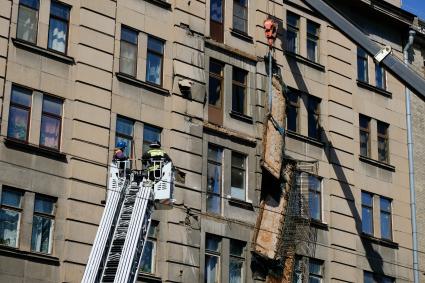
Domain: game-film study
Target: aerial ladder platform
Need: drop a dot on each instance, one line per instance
(131, 198)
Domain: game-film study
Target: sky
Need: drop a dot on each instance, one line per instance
(416, 7)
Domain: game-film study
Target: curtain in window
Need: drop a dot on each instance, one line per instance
(9, 221)
(18, 123)
(50, 131)
(27, 24)
(41, 233)
(153, 69)
(211, 269)
(57, 35)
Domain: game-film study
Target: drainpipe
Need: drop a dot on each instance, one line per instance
(411, 168)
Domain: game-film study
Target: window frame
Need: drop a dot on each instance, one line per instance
(22, 107)
(318, 192)
(371, 208)
(295, 105)
(368, 132)
(18, 210)
(389, 213)
(243, 169)
(383, 76)
(37, 20)
(315, 275)
(155, 53)
(215, 163)
(293, 29)
(48, 216)
(239, 258)
(362, 56)
(136, 45)
(53, 116)
(383, 137)
(153, 239)
(217, 28)
(244, 86)
(67, 21)
(236, 3)
(145, 144)
(313, 38)
(125, 136)
(215, 113)
(313, 114)
(211, 253)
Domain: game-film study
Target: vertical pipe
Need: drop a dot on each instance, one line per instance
(270, 81)
(411, 167)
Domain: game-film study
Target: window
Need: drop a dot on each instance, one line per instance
(147, 263)
(315, 271)
(313, 117)
(239, 103)
(58, 26)
(386, 226)
(367, 213)
(28, 20)
(217, 20)
(238, 176)
(215, 157)
(150, 134)
(364, 126)
(240, 15)
(212, 259)
(19, 114)
(380, 77)
(51, 122)
(292, 109)
(128, 51)
(314, 197)
(124, 132)
(297, 276)
(292, 32)
(370, 277)
(10, 217)
(154, 60)
(215, 92)
(362, 66)
(42, 224)
(237, 261)
(383, 142)
(312, 41)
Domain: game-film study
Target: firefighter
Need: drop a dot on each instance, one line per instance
(154, 159)
(119, 154)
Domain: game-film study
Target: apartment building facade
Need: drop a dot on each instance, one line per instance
(76, 76)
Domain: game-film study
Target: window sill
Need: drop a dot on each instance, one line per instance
(377, 163)
(149, 278)
(35, 149)
(306, 139)
(374, 89)
(30, 256)
(240, 203)
(319, 224)
(133, 81)
(41, 51)
(241, 35)
(305, 61)
(382, 242)
(160, 3)
(241, 117)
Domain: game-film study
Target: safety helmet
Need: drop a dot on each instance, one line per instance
(155, 144)
(121, 144)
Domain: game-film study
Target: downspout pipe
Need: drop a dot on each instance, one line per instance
(411, 163)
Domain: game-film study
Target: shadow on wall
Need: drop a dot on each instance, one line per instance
(373, 257)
